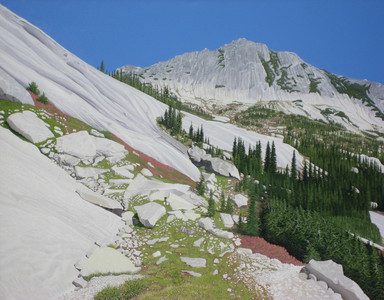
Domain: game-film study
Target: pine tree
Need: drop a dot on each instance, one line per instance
(273, 162)
(201, 185)
(240, 225)
(305, 172)
(252, 226)
(267, 161)
(258, 168)
(190, 134)
(102, 67)
(211, 206)
(293, 166)
(229, 206)
(222, 202)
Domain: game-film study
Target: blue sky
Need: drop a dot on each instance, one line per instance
(342, 36)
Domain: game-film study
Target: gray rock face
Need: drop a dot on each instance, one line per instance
(245, 72)
(89, 172)
(332, 273)
(108, 260)
(212, 164)
(227, 220)
(209, 225)
(150, 213)
(30, 126)
(87, 147)
(240, 200)
(79, 144)
(99, 200)
(194, 262)
(127, 217)
(192, 273)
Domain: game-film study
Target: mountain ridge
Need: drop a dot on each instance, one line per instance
(247, 72)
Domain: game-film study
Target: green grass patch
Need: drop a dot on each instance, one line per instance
(128, 290)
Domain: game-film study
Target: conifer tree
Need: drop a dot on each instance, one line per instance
(240, 225)
(252, 227)
(229, 206)
(267, 161)
(201, 185)
(211, 205)
(190, 134)
(222, 202)
(273, 162)
(258, 168)
(293, 166)
(102, 67)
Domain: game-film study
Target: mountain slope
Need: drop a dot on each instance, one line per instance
(246, 72)
(27, 54)
(45, 227)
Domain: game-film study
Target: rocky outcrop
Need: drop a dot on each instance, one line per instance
(30, 126)
(209, 225)
(227, 220)
(100, 200)
(332, 274)
(177, 203)
(212, 164)
(194, 262)
(150, 213)
(87, 147)
(240, 200)
(108, 260)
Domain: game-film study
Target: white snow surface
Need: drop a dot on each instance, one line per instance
(45, 227)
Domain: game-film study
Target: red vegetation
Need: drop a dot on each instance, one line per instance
(259, 245)
(159, 168)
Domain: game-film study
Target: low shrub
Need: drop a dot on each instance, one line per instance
(109, 293)
(33, 88)
(43, 99)
(128, 290)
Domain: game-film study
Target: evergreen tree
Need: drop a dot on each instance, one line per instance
(259, 162)
(33, 88)
(273, 162)
(211, 205)
(201, 185)
(293, 166)
(102, 67)
(240, 225)
(267, 161)
(222, 202)
(229, 206)
(252, 226)
(190, 134)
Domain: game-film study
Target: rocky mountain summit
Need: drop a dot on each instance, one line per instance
(247, 73)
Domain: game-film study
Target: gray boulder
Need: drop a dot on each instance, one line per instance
(332, 273)
(150, 213)
(100, 200)
(30, 126)
(227, 220)
(89, 172)
(79, 144)
(108, 260)
(240, 200)
(212, 164)
(194, 262)
(209, 225)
